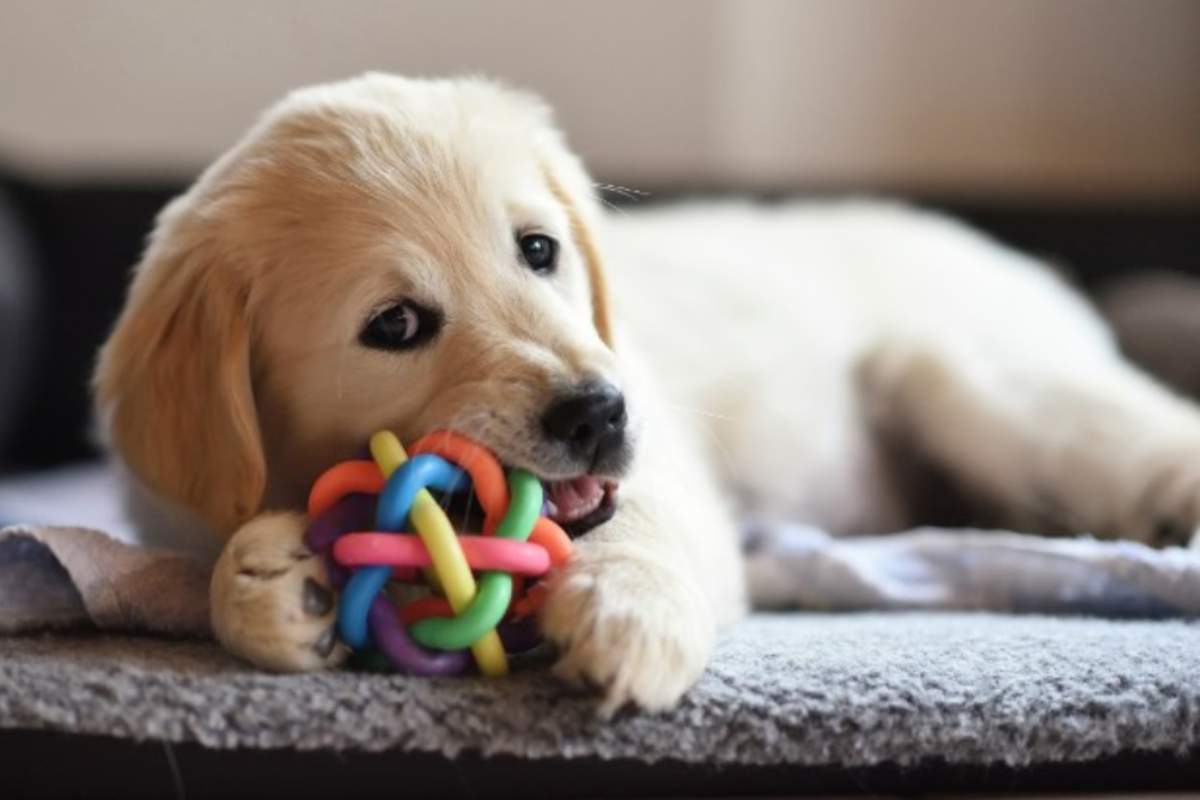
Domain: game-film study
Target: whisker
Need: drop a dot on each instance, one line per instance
(622, 191)
(704, 418)
(726, 456)
(454, 424)
(470, 461)
(701, 412)
(612, 206)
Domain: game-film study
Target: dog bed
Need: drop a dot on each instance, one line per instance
(839, 701)
(851, 692)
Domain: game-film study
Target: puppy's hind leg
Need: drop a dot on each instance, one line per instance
(1087, 445)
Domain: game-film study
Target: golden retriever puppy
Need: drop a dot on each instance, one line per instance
(412, 255)
(409, 255)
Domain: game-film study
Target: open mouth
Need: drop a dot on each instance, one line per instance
(580, 504)
(577, 504)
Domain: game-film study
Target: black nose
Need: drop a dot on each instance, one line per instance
(591, 422)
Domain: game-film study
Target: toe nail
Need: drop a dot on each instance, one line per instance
(318, 600)
(324, 645)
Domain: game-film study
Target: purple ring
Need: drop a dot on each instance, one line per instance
(391, 638)
(352, 512)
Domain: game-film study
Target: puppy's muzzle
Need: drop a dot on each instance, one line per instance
(589, 422)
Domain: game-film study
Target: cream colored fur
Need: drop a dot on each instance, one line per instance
(763, 350)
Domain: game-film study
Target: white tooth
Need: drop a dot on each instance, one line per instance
(588, 507)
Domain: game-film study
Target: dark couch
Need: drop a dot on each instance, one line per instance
(76, 243)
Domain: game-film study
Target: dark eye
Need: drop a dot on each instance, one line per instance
(539, 251)
(402, 326)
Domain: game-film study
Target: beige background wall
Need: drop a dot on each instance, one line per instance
(1072, 98)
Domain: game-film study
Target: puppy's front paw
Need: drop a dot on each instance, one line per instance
(271, 602)
(628, 623)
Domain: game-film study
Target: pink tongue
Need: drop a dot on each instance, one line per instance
(576, 498)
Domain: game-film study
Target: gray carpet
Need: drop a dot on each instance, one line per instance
(853, 690)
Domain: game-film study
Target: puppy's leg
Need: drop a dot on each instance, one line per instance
(1085, 445)
(270, 600)
(637, 610)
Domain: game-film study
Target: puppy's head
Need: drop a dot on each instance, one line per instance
(379, 253)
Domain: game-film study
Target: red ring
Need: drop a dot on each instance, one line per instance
(424, 608)
(407, 550)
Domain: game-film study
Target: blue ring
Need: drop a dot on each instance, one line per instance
(419, 472)
(355, 602)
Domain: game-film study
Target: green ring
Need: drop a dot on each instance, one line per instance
(495, 588)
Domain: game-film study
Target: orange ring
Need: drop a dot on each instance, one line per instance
(348, 477)
(549, 535)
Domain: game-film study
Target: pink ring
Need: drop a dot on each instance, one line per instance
(407, 550)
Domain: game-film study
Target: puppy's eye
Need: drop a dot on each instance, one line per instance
(402, 326)
(539, 251)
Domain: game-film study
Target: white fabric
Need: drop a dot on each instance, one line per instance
(84, 495)
(807, 568)
(933, 568)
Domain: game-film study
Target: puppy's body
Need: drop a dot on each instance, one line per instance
(759, 319)
(774, 350)
(809, 343)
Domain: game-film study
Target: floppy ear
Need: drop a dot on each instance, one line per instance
(173, 383)
(579, 212)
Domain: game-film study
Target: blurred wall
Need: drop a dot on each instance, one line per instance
(1060, 98)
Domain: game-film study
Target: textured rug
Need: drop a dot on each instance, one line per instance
(812, 689)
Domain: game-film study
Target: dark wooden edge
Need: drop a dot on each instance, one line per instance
(41, 763)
